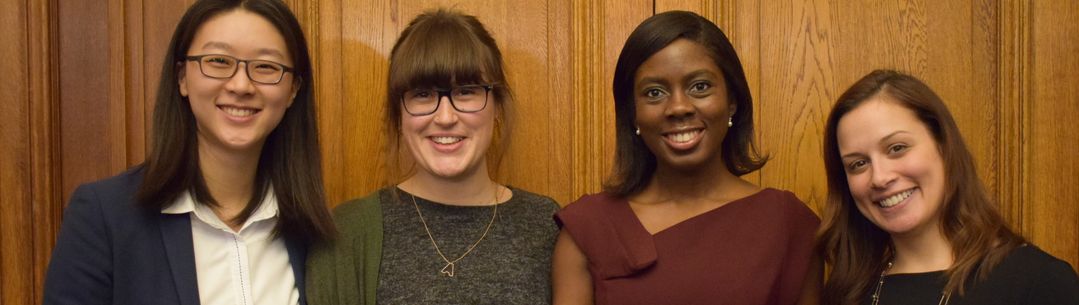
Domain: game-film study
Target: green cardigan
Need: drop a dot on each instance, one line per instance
(345, 271)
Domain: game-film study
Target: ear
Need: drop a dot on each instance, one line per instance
(732, 108)
(295, 90)
(181, 78)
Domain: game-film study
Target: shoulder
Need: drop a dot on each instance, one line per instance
(1031, 260)
(113, 197)
(785, 204)
(533, 201)
(591, 203)
(358, 213)
(1039, 276)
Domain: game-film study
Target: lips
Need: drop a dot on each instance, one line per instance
(238, 112)
(895, 199)
(446, 140)
(683, 139)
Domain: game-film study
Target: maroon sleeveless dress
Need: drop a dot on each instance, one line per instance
(754, 250)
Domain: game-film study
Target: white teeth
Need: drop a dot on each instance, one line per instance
(895, 199)
(683, 137)
(447, 140)
(238, 112)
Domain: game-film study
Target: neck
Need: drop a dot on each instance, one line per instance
(922, 252)
(230, 179)
(474, 189)
(690, 186)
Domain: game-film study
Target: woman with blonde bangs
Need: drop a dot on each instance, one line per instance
(443, 232)
(908, 221)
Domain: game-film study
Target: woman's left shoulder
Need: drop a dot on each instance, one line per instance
(786, 203)
(534, 201)
(1048, 280)
(1034, 261)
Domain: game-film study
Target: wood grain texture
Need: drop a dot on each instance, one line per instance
(16, 235)
(1051, 215)
(600, 29)
(81, 81)
(46, 206)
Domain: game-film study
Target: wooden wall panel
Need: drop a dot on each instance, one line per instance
(16, 284)
(600, 29)
(1051, 215)
(82, 78)
(29, 209)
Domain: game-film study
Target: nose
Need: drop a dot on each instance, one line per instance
(882, 176)
(445, 115)
(240, 83)
(679, 106)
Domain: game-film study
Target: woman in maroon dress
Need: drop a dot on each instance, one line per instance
(676, 224)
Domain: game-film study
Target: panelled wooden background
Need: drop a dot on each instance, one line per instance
(78, 80)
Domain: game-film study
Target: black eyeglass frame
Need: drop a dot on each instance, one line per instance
(448, 93)
(247, 67)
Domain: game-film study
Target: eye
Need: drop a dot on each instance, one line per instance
(264, 67)
(897, 148)
(856, 165)
(218, 61)
(700, 88)
(654, 94)
(419, 94)
(467, 91)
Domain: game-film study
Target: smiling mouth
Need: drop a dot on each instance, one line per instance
(683, 137)
(447, 140)
(895, 199)
(238, 111)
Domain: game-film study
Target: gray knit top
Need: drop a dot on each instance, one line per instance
(511, 265)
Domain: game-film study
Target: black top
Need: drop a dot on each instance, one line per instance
(1027, 276)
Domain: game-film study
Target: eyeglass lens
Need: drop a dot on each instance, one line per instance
(260, 71)
(470, 98)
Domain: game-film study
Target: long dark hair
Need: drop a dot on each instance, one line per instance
(290, 160)
(858, 250)
(442, 48)
(634, 164)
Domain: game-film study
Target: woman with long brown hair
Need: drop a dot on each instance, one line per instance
(907, 221)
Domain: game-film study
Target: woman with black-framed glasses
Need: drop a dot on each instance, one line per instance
(231, 193)
(443, 231)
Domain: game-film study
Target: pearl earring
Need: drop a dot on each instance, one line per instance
(638, 131)
(730, 121)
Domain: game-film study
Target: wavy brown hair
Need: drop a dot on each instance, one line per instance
(441, 48)
(857, 250)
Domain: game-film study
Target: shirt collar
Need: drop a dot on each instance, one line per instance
(185, 203)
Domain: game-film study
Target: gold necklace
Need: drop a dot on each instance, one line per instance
(448, 268)
(944, 297)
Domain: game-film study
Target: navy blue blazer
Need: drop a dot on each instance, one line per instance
(111, 251)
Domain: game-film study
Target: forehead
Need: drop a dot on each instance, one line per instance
(678, 58)
(240, 33)
(876, 118)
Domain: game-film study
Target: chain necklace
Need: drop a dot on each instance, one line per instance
(448, 268)
(944, 297)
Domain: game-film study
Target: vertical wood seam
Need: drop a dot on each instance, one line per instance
(1016, 60)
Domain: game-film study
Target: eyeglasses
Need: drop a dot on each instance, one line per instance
(467, 99)
(223, 66)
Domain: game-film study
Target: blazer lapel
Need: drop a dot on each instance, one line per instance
(179, 246)
(297, 257)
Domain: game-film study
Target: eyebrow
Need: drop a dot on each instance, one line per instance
(227, 47)
(689, 76)
(884, 139)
